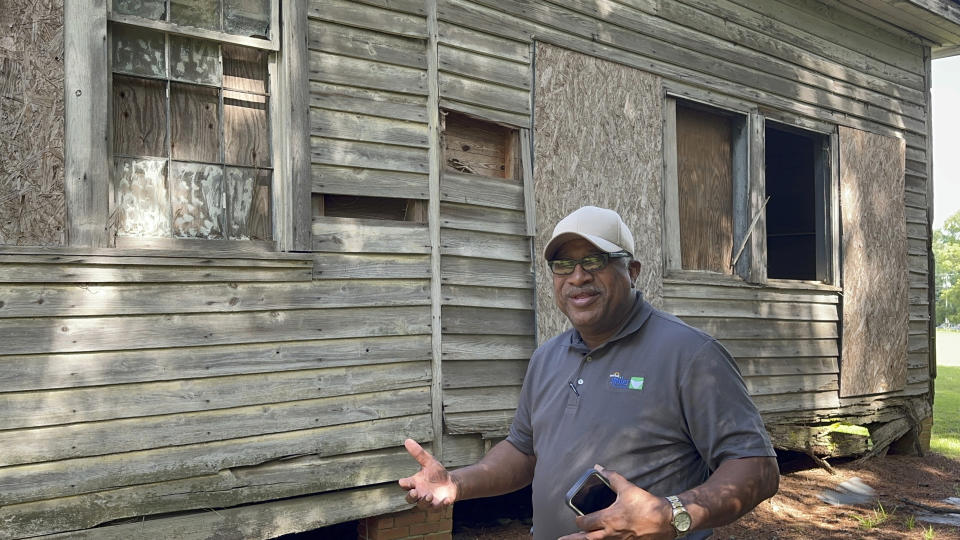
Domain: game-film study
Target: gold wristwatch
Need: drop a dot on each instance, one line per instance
(681, 518)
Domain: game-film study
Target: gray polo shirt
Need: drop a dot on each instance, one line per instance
(661, 403)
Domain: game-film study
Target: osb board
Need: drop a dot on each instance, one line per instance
(597, 141)
(31, 122)
(875, 288)
(705, 185)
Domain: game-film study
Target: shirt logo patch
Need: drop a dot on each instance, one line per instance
(633, 383)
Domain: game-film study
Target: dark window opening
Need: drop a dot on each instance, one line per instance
(796, 165)
(359, 207)
(474, 146)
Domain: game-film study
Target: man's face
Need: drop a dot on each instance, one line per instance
(596, 303)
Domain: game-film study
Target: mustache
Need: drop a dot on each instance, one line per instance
(574, 291)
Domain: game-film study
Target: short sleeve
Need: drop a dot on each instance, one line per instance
(722, 420)
(521, 429)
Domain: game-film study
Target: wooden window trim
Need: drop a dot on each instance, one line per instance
(87, 115)
(747, 180)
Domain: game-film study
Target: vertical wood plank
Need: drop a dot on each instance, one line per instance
(194, 123)
(433, 210)
(87, 104)
(742, 214)
(246, 129)
(139, 117)
(291, 134)
(529, 197)
(671, 193)
(758, 239)
(931, 265)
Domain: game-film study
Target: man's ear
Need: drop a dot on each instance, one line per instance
(634, 269)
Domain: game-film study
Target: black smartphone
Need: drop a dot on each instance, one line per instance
(590, 493)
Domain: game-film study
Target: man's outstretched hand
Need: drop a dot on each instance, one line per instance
(635, 514)
(432, 486)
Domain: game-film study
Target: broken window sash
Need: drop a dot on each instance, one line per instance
(140, 197)
(195, 60)
(248, 203)
(196, 195)
(148, 9)
(197, 13)
(138, 52)
(247, 17)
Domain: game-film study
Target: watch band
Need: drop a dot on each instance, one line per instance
(681, 518)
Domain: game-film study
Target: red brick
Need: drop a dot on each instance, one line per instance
(424, 528)
(385, 522)
(390, 534)
(411, 516)
(439, 536)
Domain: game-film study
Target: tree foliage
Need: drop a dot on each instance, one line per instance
(946, 251)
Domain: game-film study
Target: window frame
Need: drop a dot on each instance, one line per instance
(88, 80)
(749, 191)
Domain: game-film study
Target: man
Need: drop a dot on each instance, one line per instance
(629, 388)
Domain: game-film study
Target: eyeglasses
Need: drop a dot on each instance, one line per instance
(590, 263)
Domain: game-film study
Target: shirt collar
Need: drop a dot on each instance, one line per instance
(639, 314)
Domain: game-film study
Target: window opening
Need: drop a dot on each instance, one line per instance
(191, 126)
(796, 219)
(473, 146)
(710, 148)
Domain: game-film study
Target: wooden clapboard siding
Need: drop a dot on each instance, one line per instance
(129, 434)
(478, 218)
(357, 181)
(33, 409)
(479, 191)
(78, 370)
(484, 245)
(567, 28)
(370, 266)
(65, 334)
(482, 347)
(480, 373)
(27, 300)
(268, 520)
(34, 482)
(350, 235)
(231, 487)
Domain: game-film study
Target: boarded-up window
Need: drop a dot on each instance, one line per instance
(705, 183)
(483, 148)
(875, 285)
(797, 181)
(191, 120)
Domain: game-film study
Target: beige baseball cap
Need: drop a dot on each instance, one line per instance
(601, 227)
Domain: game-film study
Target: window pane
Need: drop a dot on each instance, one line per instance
(138, 51)
(139, 117)
(244, 69)
(140, 197)
(194, 60)
(196, 191)
(148, 9)
(198, 13)
(247, 17)
(194, 123)
(248, 198)
(246, 133)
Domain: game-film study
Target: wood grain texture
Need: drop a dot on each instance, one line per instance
(705, 190)
(139, 117)
(341, 97)
(365, 182)
(592, 142)
(875, 300)
(348, 235)
(277, 480)
(87, 104)
(246, 129)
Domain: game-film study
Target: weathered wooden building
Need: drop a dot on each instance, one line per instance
(249, 246)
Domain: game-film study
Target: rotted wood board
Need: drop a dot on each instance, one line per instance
(34, 482)
(35, 409)
(140, 299)
(232, 487)
(370, 266)
(77, 370)
(47, 335)
(368, 182)
(472, 189)
(875, 301)
(487, 347)
(130, 434)
(593, 142)
(371, 17)
(487, 422)
(265, 520)
(478, 218)
(348, 235)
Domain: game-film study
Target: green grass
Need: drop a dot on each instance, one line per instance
(879, 517)
(945, 437)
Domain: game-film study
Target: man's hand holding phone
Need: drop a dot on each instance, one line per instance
(634, 513)
(432, 486)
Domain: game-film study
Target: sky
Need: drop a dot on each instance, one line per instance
(946, 138)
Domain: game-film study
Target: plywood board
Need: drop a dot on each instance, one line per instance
(875, 299)
(597, 135)
(32, 209)
(705, 186)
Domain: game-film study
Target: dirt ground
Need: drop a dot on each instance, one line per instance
(905, 487)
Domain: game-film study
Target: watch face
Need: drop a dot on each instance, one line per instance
(682, 521)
